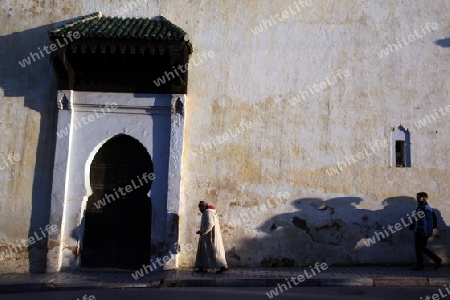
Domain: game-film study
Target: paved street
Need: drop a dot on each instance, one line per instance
(315, 293)
(399, 276)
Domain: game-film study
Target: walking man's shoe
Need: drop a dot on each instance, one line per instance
(222, 269)
(438, 264)
(201, 270)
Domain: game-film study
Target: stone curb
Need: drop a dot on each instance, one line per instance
(349, 282)
(401, 282)
(231, 282)
(439, 281)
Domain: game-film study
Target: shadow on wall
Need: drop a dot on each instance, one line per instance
(335, 231)
(445, 43)
(33, 86)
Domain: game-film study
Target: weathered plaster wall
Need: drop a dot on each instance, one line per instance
(289, 147)
(280, 149)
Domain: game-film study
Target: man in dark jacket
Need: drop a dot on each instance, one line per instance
(423, 230)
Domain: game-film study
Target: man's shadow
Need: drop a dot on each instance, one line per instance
(336, 231)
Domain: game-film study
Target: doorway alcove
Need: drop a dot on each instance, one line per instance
(114, 125)
(118, 212)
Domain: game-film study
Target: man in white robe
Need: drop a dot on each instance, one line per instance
(210, 251)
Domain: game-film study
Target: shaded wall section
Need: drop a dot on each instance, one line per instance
(27, 126)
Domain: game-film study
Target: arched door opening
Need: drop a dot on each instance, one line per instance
(118, 213)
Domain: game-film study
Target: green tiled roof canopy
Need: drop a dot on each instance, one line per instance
(100, 27)
(120, 54)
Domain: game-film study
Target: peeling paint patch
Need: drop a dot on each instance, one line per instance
(300, 223)
(12, 252)
(53, 244)
(74, 249)
(334, 224)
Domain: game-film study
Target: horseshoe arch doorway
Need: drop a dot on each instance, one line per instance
(118, 214)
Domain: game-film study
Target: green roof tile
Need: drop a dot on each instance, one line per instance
(96, 25)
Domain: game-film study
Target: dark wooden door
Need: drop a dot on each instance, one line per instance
(118, 213)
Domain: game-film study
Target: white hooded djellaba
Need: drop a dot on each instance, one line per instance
(210, 252)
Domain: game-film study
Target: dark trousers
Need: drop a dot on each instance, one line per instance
(420, 241)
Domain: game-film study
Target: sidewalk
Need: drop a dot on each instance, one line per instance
(235, 277)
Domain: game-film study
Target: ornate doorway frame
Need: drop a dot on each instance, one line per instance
(86, 120)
